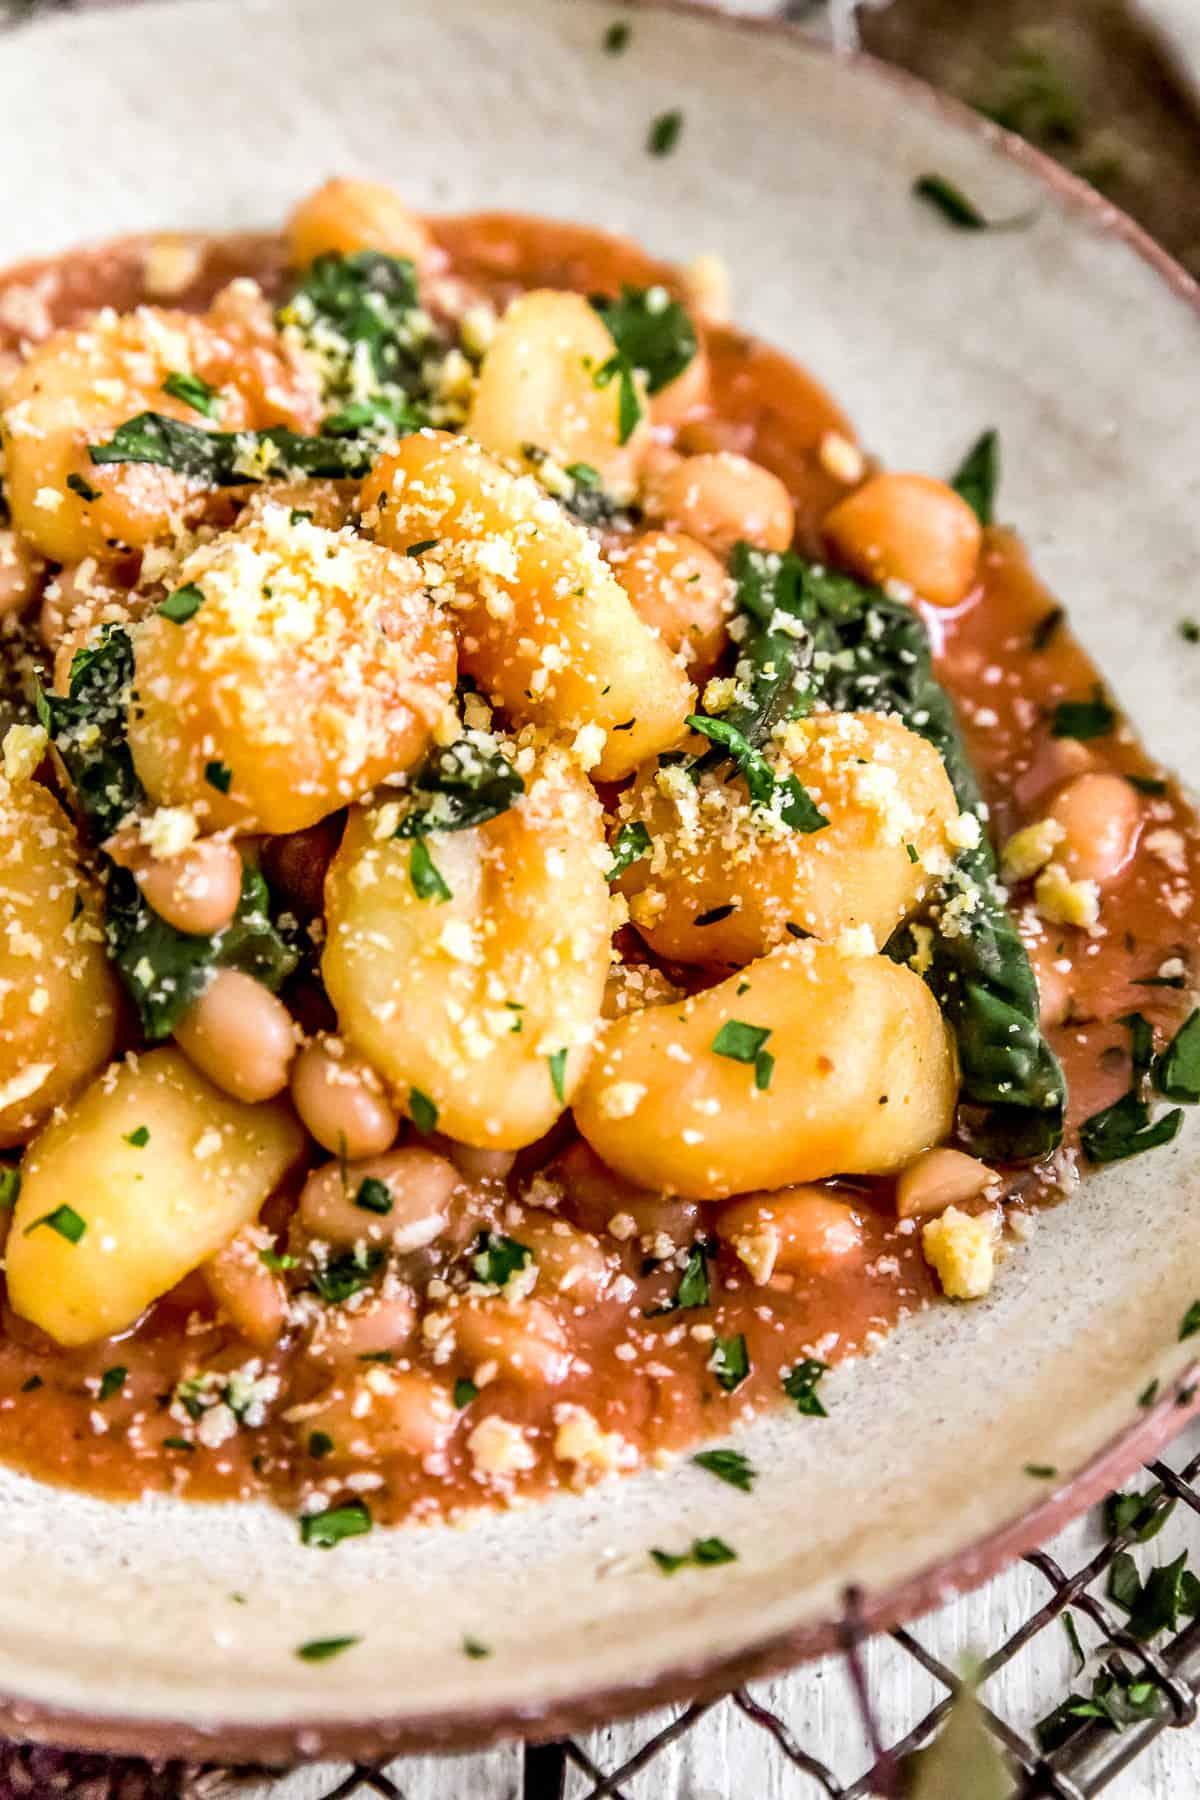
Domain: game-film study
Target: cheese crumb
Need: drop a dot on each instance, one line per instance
(24, 747)
(595, 1453)
(1063, 901)
(855, 940)
(758, 1251)
(961, 1247)
(498, 1448)
(1030, 849)
(840, 458)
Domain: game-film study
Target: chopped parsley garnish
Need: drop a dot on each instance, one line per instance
(346, 1274)
(1046, 629)
(1072, 1632)
(631, 843)
(474, 1649)
(1083, 719)
(218, 775)
(374, 1196)
(764, 1068)
(31, 1386)
(1155, 1604)
(744, 1043)
(178, 1443)
(694, 1288)
(654, 337)
(299, 515)
(1189, 631)
(422, 1111)
(958, 210)
(558, 1069)
(464, 785)
(1138, 1514)
(10, 1187)
(1189, 1325)
(111, 1382)
(325, 1529)
(583, 474)
(138, 1138)
(183, 604)
(617, 36)
(319, 1444)
(800, 1385)
(978, 476)
(797, 809)
(705, 1553)
(1147, 784)
(278, 1262)
(428, 883)
(1041, 1471)
(1149, 1393)
(65, 1220)
(728, 1465)
(192, 391)
(424, 545)
(321, 1649)
(464, 1392)
(664, 133)
(730, 1361)
(83, 488)
(1176, 1073)
(713, 916)
(497, 1258)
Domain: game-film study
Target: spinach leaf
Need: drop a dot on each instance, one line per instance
(87, 728)
(362, 308)
(1126, 1128)
(233, 458)
(652, 332)
(978, 476)
(464, 785)
(1176, 1073)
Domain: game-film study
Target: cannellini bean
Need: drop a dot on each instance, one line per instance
(420, 1187)
(384, 1321)
(20, 572)
(343, 216)
(604, 1203)
(245, 1290)
(297, 862)
(240, 1035)
(380, 1412)
(484, 1004)
(197, 890)
(146, 1177)
(721, 497)
(537, 387)
(882, 789)
(909, 529)
(314, 666)
(546, 628)
(341, 1101)
(1100, 814)
(805, 1230)
(1054, 983)
(58, 996)
(525, 1340)
(569, 1261)
(862, 1077)
(480, 1165)
(680, 590)
(78, 386)
(938, 1179)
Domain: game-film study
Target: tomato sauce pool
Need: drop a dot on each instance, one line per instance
(105, 1418)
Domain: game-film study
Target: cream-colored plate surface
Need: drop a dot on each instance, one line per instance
(797, 170)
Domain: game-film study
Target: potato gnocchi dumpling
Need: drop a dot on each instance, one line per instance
(312, 666)
(59, 1000)
(140, 1181)
(481, 1000)
(890, 811)
(860, 1078)
(544, 626)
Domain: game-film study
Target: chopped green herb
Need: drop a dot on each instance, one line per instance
(583, 474)
(1116, 1700)
(664, 132)
(183, 604)
(1189, 1325)
(800, 1385)
(474, 1649)
(1083, 719)
(740, 1042)
(705, 1553)
(631, 843)
(730, 1361)
(1072, 1631)
(374, 1196)
(325, 1529)
(428, 883)
(1189, 631)
(65, 1220)
(654, 338)
(83, 488)
(10, 1187)
(1176, 1073)
(218, 776)
(1138, 1514)
(713, 916)
(1147, 784)
(694, 1289)
(497, 1258)
(299, 516)
(192, 391)
(422, 1111)
(617, 36)
(464, 785)
(138, 1138)
(960, 212)
(464, 1392)
(321, 1649)
(1046, 629)
(31, 1386)
(178, 1443)
(978, 476)
(1125, 1129)
(377, 1356)
(111, 1382)
(1041, 1471)
(346, 1274)
(911, 850)
(797, 808)
(277, 1263)
(320, 1444)
(424, 545)
(764, 1068)
(1149, 1393)
(558, 1069)
(729, 1466)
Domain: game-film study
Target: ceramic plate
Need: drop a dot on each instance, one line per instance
(1081, 344)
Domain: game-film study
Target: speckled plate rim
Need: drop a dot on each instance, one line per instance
(1149, 1431)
